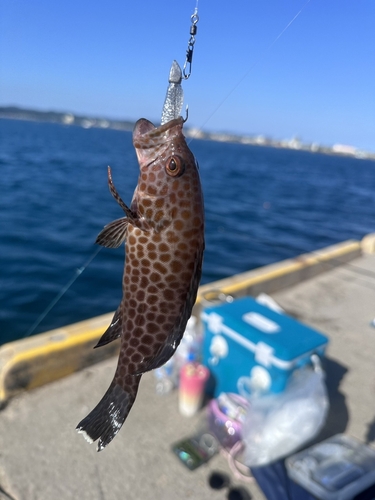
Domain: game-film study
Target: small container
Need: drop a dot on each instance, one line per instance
(337, 469)
(226, 414)
(193, 378)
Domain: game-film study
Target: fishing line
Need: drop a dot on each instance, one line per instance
(187, 72)
(262, 55)
(64, 289)
(189, 53)
(333, 262)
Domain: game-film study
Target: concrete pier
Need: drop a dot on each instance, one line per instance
(43, 458)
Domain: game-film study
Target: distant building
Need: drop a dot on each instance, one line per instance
(344, 149)
(294, 143)
(68, 119)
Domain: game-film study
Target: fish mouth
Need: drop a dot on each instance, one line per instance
(145, 131)
(142, 127)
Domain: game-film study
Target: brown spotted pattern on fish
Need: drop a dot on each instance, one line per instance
(164, 234)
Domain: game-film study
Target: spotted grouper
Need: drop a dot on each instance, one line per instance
(163, 232)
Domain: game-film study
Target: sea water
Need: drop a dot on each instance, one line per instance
(262, 205)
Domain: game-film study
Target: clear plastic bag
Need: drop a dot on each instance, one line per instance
(276, 425)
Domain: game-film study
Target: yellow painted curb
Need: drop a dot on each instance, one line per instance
(368, 243)
(35, 361)
(282, 274)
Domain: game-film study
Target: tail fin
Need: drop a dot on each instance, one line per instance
(106, 419)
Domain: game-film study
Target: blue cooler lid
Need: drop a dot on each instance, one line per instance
(274, 337)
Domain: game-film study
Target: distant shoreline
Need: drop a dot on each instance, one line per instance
(16, 113)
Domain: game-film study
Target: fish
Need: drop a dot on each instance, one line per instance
(163, 231)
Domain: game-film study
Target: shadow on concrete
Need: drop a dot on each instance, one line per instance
(338, 415)
(370, 434)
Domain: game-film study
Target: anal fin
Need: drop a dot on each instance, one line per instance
(113, 332)
(164, 354)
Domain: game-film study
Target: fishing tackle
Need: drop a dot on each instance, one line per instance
(175, 95)
(189, 53)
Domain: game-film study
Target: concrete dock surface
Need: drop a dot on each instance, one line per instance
(43, 458)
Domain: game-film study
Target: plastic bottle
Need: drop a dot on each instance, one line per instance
(165, 377)
(189, 350)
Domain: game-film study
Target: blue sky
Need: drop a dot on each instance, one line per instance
(112, 58)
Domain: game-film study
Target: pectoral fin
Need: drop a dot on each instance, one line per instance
(113, 233)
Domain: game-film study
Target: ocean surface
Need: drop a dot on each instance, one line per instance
(262, 205)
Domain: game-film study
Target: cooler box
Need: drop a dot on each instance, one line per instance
(248, 346)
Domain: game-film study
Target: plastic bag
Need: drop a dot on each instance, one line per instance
(278, 424)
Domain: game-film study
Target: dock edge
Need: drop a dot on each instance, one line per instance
(32, 362)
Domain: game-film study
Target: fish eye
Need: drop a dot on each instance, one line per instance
(175, 166)
(172, 164)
